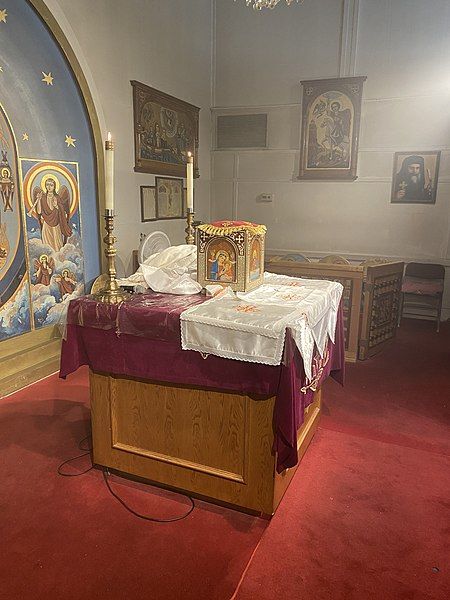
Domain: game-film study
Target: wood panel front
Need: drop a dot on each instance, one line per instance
(210, 443)
(181, 427)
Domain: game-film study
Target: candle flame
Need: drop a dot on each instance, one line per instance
(109, 136)
(189, 154)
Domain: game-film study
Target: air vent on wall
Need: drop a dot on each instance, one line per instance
(241, 131)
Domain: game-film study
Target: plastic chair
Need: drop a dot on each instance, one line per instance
(423, 288)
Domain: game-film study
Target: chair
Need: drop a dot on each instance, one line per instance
(422, 288)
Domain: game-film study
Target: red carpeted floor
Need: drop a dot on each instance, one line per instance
(68, 538)
(366, 516)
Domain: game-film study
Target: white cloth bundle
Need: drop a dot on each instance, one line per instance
(172, 271)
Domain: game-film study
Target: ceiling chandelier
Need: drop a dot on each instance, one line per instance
(260, 4)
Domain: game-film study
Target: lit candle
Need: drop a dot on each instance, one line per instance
(109, 179)
(190, 183)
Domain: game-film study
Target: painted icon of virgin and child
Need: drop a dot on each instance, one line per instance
(221, 266)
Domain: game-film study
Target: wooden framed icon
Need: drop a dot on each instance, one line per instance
(331, 114)
(415, 177)
(169, 198)
(165, 130)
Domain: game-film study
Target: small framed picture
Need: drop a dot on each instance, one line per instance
(415, 177)
(148, 203)
(169, 198)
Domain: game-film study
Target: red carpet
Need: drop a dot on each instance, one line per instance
(368, 514)
(366, 517)
(401, 396)
(68, 538)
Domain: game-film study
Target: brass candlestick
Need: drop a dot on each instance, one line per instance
(111, 294)
(190, 231)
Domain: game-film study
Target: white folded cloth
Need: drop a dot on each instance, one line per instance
(252, 326)
(172, 271)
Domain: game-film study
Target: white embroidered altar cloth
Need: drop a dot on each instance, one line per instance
(252, 326)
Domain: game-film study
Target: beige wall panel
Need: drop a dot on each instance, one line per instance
(284, 126)
(407, 124)
(221, 200)
(375, 165)
(404, 47)
(268, 166)
(444, 167)
(262, 56)
(345, 218)
(222, 165)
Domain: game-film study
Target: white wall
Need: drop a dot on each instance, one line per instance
(163, 43)
(403, 46)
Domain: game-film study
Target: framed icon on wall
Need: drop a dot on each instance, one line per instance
(165, 130)
(415, 177)
(331, 114)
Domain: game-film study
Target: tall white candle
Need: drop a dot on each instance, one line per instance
(190, 183)
(109, 178)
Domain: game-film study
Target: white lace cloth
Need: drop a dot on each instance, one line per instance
(252, 326)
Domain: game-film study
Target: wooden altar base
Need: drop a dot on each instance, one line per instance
(210, 443)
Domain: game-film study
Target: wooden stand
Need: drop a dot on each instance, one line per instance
(213, 444)
(370, 300)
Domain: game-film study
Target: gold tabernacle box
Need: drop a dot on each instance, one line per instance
(231, 253)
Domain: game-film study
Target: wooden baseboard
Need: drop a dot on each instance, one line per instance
(28, 358)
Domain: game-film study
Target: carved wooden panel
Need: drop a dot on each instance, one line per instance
(382, 292)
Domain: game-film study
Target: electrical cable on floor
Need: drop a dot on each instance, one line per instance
(145, 517)
(106, 473)
(70, 460)
(88, 449)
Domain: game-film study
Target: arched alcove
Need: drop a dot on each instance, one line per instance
(51, 171)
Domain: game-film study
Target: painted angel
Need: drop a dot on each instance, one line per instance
(67, 282)
(44, 269)
(52, 208)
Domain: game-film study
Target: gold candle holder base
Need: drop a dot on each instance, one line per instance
(111, 293)
(190, 231)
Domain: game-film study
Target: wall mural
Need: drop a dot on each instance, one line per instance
(51, 198)
(14, 283)
(47, 178)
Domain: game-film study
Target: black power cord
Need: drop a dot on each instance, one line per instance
(70, 460)
(146, 517)
(105, 473)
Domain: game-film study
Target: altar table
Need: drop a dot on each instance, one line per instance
(227, 430)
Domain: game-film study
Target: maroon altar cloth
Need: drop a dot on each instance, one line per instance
(141, 338)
